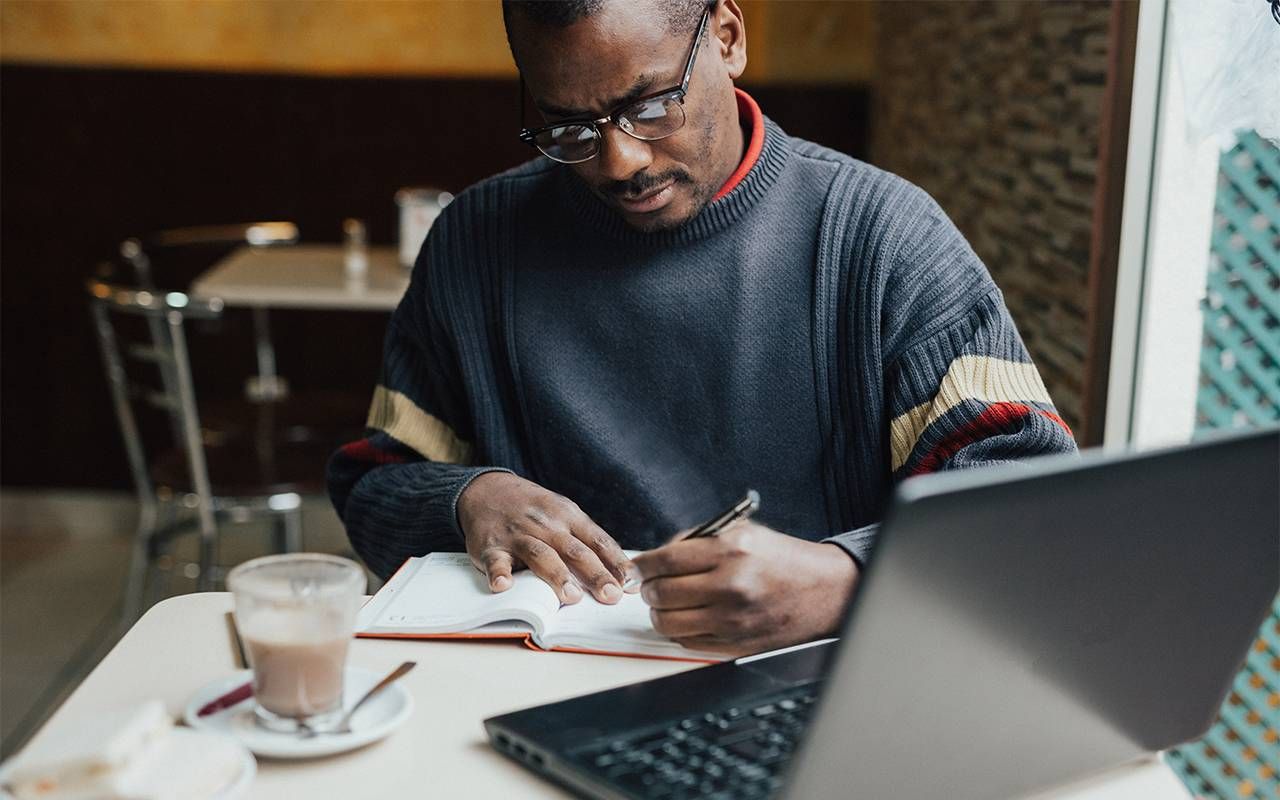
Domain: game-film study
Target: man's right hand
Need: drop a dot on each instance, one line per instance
(509, 523)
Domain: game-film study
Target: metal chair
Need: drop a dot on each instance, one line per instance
(267, 385)
(161, 261)
(219, 476)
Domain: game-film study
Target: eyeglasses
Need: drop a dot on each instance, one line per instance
(652, 117)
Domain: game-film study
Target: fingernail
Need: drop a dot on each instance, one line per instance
(633, 584)
(571, 591)
(501, 583)
(611, 592)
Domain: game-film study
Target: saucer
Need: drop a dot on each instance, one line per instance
(189, 748)
(375, 719)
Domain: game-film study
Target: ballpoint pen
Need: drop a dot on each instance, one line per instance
(742, 509)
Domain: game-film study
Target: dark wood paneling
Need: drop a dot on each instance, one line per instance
(1108, 207)
(89, 157)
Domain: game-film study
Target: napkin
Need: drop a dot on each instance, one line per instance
(135, 754)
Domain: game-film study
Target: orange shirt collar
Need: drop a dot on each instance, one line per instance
(748, 111)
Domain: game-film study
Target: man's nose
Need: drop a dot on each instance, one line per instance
(622, 156)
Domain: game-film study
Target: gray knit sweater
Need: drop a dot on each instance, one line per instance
(817, 334)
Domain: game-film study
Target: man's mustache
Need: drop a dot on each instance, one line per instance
(641, 183)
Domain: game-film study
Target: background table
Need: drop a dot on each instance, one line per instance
(311, 277)
(440, 751)
(304, 276)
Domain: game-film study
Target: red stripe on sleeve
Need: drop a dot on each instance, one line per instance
(1061, 422)
(996, 419)
(365, 450)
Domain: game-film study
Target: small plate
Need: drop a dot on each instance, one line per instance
(375, 719)
(186, 763)
(187, 747)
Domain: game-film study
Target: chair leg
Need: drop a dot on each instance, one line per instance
(161, 579)
(139, 561)
(288, 531)
(208, 551)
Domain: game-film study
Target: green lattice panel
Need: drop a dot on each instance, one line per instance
(1240, 386)
(1240, 360)
(1240, 756)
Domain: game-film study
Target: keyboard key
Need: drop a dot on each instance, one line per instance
(737, 752)
(750, 749)
(728, 730)
(648, 741)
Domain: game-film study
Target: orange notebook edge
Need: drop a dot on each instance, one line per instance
(367, 635)
(528, 642)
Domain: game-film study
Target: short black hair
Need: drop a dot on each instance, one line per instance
(680, 14)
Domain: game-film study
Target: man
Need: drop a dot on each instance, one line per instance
(610, 344)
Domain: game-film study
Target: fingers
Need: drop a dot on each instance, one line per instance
(684, 591)
(683, 623)
(497, 565)
(543, 561)
(715, 644)
(680, 558)
(586, 564)
(604, 546)
(544, 531)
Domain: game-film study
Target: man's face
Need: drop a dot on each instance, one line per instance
(620, 53)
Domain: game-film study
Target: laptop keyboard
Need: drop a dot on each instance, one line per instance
(737, 752)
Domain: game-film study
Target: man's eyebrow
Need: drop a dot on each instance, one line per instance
(639, 88)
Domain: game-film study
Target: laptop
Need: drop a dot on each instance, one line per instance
(1019, 627)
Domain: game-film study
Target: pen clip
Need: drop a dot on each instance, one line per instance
(744, 508)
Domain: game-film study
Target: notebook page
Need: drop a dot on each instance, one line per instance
(447, 594)
(621, 628)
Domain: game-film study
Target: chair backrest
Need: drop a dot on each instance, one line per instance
(137, 251)
(161, 344)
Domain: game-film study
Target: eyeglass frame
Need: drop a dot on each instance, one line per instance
(679, 92)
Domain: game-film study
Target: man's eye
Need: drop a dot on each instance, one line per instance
(579, 133)
(648, 110)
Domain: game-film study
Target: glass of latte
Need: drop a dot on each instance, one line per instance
(296, 614)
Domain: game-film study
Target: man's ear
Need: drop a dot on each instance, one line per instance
(727, 26)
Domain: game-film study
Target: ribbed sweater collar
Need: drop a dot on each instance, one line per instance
(594, 214)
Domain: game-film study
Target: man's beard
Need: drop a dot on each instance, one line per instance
(643, 183)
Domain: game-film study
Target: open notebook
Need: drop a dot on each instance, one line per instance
(441, 595)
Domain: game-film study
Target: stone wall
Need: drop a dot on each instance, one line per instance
(993, 108)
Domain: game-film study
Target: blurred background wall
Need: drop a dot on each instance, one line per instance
(125, 117)
(995, 108)
(790, 40)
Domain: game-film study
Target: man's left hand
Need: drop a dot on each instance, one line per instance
(748, 590)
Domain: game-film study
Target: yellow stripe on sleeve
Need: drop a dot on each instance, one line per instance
(982, 378)
(399, 417)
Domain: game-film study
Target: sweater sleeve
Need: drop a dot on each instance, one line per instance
(969, 396)
(960, 388)
(396, 490)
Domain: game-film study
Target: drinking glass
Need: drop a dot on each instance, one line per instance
(296, 614)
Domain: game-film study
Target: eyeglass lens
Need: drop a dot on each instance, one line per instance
(647, 120)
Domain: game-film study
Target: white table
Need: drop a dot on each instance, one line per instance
(308, 276)
(181, 644)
